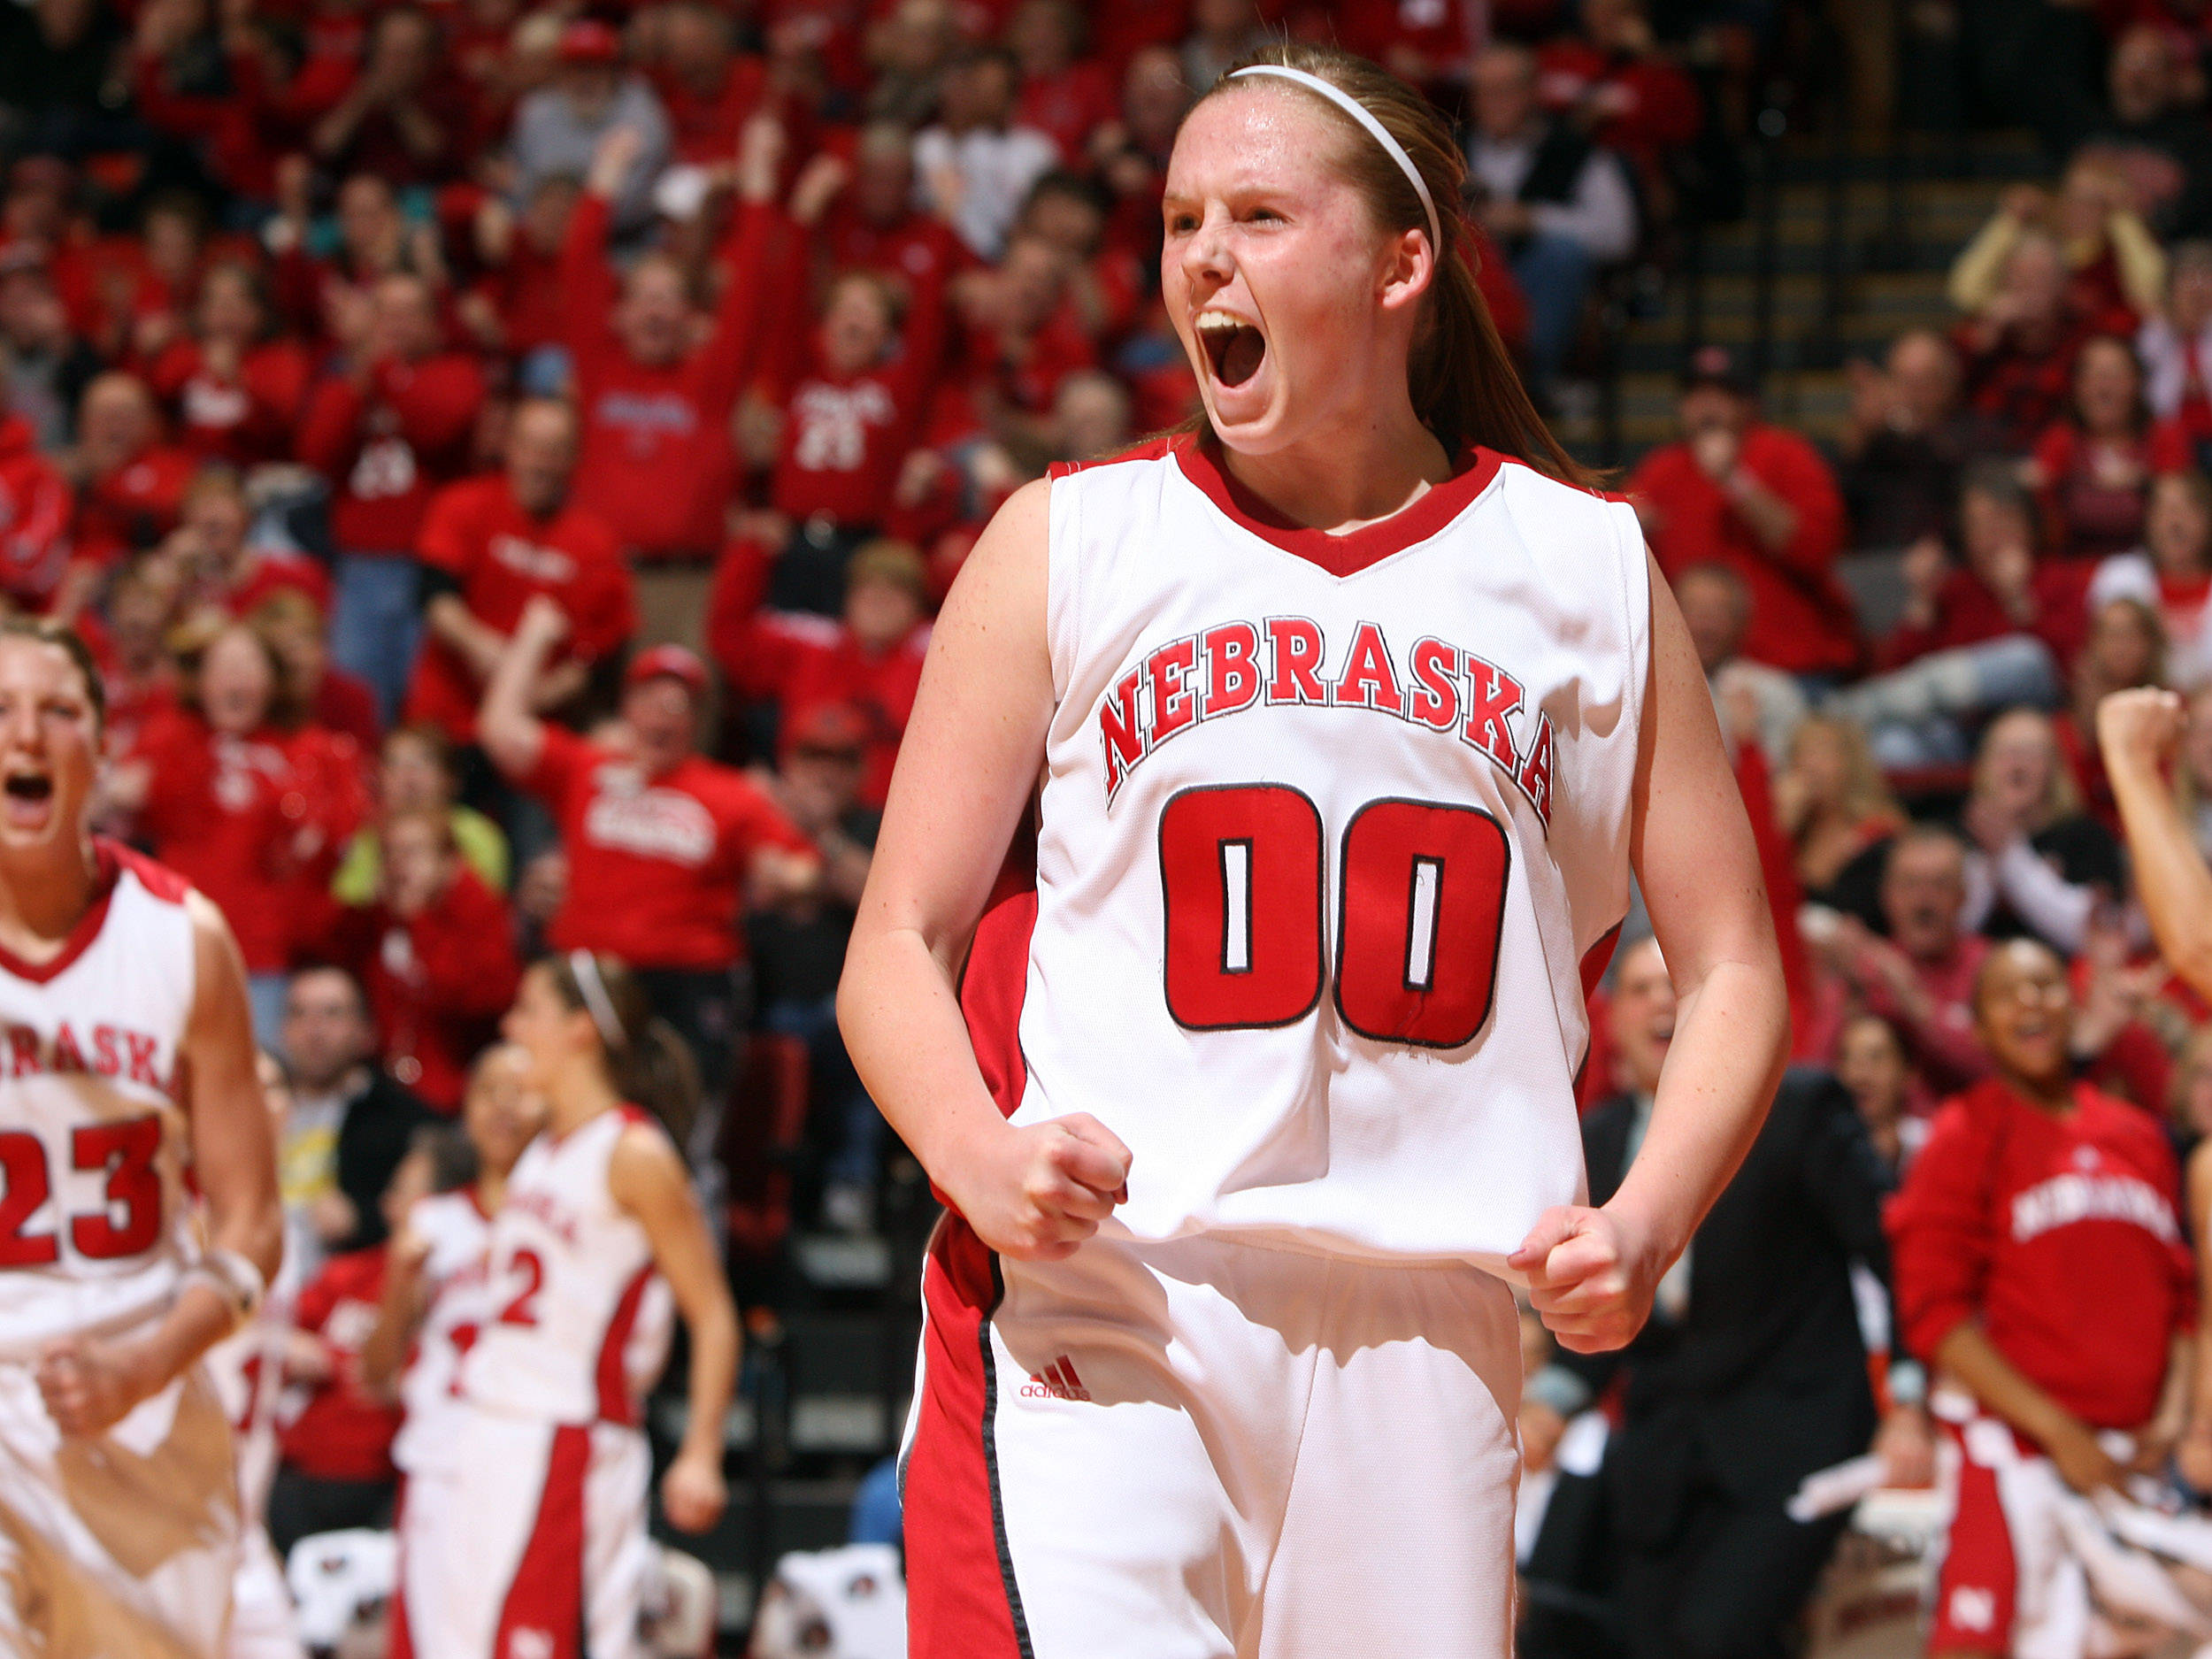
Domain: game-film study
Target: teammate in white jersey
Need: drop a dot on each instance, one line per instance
(1351, 711)
(128, 1060)
(532, 1541)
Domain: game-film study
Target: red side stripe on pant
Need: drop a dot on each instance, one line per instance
(959, 1604)
(547, 1597)
(1976, 1591)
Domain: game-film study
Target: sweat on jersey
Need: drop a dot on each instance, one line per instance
(2060, 1235)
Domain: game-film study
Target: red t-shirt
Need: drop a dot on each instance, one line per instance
(499, 556)
(343, 1433)
(655, 866)
(1801, 620)
(2060, 1235)
(655, 461)
(387, 446)
(254, 823)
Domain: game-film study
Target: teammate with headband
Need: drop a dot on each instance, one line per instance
(1354, 709)
(537, 1522)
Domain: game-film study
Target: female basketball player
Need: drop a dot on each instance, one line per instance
(1352, 714)
(130, 1061)
(536, 1541)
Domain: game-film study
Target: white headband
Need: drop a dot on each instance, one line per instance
(585, 966)
(1361, 113)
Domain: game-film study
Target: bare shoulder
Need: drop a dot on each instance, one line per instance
(643, 1167)
(216, 957)
(1012, 545)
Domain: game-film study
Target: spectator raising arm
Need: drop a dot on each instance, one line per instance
(509, 729)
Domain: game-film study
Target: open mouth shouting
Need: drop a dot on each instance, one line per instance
(26, 799)
(1234, 346)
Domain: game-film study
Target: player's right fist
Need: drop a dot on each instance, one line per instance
(1038, 1192)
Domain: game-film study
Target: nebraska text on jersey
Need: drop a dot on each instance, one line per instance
(1289, 661)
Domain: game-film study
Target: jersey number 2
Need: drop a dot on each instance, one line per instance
(126, 1149)
(1421, 890)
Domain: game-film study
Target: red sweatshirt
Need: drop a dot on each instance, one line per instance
(499, 556)
(2059, 1235)
(1801, 620)
(655, 866)
(845, 435)
(245, 417)
(438, 983)
(35, 507)
(1968, 612)
(388, 445)
(657, 462)
(343, 1433)
(255, 823)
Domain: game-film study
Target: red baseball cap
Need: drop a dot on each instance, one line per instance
(672, 661)
(588, 41)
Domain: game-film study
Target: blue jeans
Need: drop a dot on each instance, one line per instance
(264, 996)
(1555, 273)
(376, 623)
(856, 1125)
(1916, 716)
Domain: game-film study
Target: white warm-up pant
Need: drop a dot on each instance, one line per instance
(1210, 1450)
(121, 1543)
(527, 1541)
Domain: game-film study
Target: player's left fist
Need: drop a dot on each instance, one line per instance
(693, 1494)
(1591, 1276)
(90, 1385)
(2142, 724)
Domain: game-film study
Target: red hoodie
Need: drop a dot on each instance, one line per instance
(343, 1433)
(437, 984)
(2059, 1235)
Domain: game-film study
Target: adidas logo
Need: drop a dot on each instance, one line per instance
(1055, 1381)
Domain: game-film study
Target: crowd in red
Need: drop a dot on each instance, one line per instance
(506, 461)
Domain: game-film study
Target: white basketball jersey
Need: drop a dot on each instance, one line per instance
(94, 1224)
(571, 1287)
(1328, 826)
(456, 1280)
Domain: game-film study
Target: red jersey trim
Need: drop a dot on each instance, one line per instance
(615, 1404)
(1354, 551)
(1150, 450)
(109, 860)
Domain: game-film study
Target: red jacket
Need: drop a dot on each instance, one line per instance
(35, 507)
(498, 557)
(438, 983)
(2059, 1235)
(388, 445)
(343, 1433)
(657, 462)
(1801, 620)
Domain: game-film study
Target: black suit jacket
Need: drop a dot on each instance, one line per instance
(1764, 1379)
(380, 1123)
